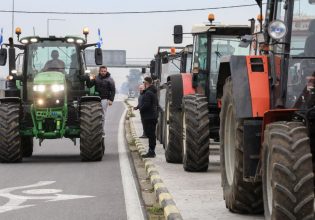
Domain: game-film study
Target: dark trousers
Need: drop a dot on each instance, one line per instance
(143, 127)
(149, 126)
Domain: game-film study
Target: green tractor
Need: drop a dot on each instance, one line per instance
(48, 98)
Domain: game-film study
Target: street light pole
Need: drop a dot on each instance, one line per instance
(52, 19)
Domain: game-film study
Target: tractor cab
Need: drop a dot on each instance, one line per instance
(165, 62)
(52, 60)
(211, 43)
(291, 34)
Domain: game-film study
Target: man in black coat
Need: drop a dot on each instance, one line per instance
(105, 86)
(149, 112)
(140, 98)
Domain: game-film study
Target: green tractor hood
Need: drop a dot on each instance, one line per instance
(47, 78)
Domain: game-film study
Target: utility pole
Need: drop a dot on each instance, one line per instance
(12, 18)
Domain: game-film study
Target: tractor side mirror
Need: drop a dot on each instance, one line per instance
(98, 56)
(178, 34)
(3, 56)
(152, 66)
(245, 41)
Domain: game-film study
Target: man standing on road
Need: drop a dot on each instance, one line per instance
(105, 86)
(149, 113)
(140, 101)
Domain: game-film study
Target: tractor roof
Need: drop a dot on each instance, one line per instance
(69, 39)
(221, 29)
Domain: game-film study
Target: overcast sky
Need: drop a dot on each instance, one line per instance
(138, 34)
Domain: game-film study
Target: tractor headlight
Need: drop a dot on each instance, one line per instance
(40, 102)
(39, 88)
(57, 88)
(277, 29)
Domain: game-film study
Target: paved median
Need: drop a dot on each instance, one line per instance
(164, 197)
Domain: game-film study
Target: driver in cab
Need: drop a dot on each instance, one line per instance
(54, 64)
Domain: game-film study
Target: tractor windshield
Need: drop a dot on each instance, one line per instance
(170, 68)
(301, 69)
(222, 46)
(52, 56)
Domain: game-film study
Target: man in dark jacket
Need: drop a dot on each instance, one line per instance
(149, 113)
(140, 98)
(105, 86)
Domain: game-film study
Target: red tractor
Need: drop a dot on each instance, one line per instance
(169, 61)
(193, 107)
(267, 119)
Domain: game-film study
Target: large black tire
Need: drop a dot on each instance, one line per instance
(240, 196)
(174, 146)
(91, 140)
(27, 146)
(10, 140)
(288, 179)
(196, 134)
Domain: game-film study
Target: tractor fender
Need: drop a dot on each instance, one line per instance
(181, 85)
(250, 81)
(10, 99)
(90, 98)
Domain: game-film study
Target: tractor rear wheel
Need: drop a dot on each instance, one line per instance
(91, 140)
(196, 134)
(288, 178)
(240, 196)
(27, 146)
(174, 146)
(10, 139)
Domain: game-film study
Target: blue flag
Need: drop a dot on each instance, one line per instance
(1, 36)
(100, 39)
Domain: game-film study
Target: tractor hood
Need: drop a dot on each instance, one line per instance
(47, 78)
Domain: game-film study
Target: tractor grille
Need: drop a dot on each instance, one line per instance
(73, 116)
(49, 125)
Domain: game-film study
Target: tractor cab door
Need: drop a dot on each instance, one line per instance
(221, 46)
(199, 67)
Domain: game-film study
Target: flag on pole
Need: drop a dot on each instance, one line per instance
(100, 39)
(1, 36)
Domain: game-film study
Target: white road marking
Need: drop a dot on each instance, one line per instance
(15, 201)
(42, 191)
(133, 206)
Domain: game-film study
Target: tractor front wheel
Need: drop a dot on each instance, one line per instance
(195, 134)
(288, 179)
(10, 140)
(240, 196)
(173, 128)
(91, 139)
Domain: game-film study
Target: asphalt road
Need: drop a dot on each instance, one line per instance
(55, 184)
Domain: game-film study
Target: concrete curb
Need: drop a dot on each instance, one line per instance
(165, 199)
